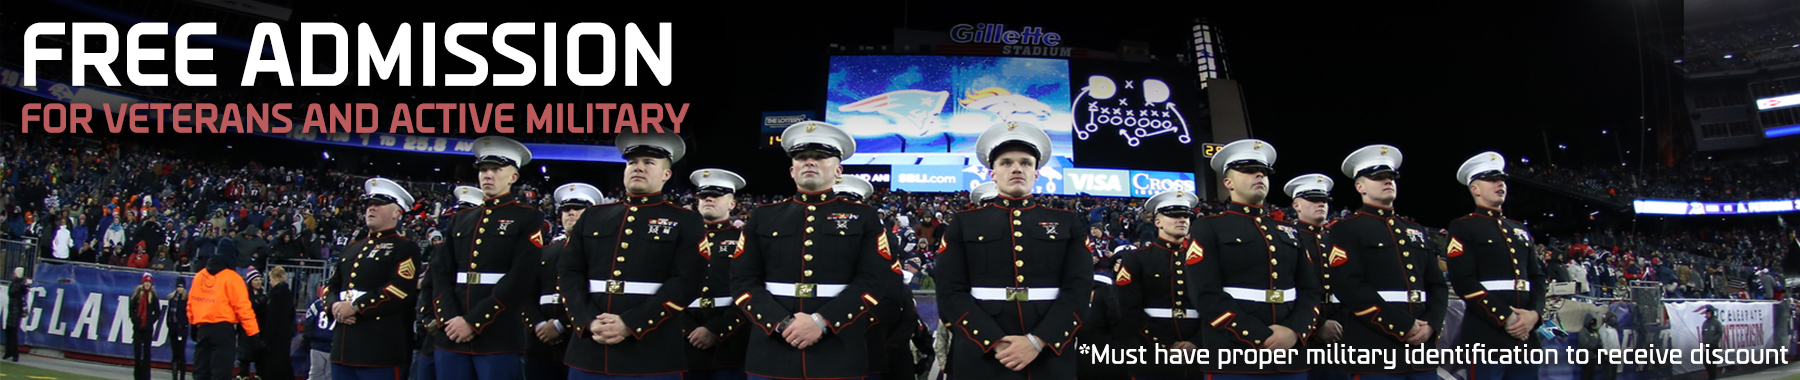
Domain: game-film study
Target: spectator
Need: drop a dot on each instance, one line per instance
(15, 311)
(59, 247)
(277, 312)
(176, 320)
(318, 325)
(146, 310)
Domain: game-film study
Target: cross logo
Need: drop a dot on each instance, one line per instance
(843, 224)
(1050, 229)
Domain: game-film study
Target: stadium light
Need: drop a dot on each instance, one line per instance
(1727, 56)
(327, 154)
(437, 169)
(1562, 146)
(1603, 131)
(1678, 61)
(1524, 160)
(544, 169)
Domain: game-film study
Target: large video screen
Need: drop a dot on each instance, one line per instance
(926, 106)
(1052, 180)
(1670, 207)
(1133, 110)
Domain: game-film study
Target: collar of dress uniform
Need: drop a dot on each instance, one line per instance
(806, 197)
(723, 224)
(1311, 227)
(1010, 202)
(1176, 246)
(1490, 212)
(382, 234)
(500, 200)
(1246, 208)
(644, 199)
(1377, 210)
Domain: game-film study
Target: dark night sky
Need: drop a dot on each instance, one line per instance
(1441, 83)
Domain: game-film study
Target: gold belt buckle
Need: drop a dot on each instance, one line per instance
(472, 278)
(706, 302)
(1018, 294)
(804, 290)
(1521, 285)
(1276, 296)
(1178, 313)
(1415, 296)
(615, 287)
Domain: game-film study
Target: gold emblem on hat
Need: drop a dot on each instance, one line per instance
(1011, 124)
(1384, 151)
(1492, 157)
(839, 180)
(811, 126)
(1257, 146)
(705, 173)
(1318, 179)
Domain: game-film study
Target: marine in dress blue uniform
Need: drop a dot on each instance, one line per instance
(1492, 266)
(485, 274)
(548, 323)
(1152, 289)
(1014, 278)
(717, 334)
(810, 268)
(1254, 285)
(372, 295)
(630, 271)
(1311, 194)
(1384, 271)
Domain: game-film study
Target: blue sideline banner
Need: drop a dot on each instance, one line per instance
(82, 309)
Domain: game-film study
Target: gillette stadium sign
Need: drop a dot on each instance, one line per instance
(1029, 40)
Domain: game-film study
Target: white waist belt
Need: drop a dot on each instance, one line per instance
(1403, 296)
(1520, 285)
(623, 287)
(704, 302)
(788, 289)
(1156, 312)
(479, 278)
(549, 299)
(350, 295)
(1015, 294)
(1262, 295)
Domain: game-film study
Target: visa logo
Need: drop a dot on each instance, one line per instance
(1095, 182)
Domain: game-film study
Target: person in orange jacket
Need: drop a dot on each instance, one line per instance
(217, 303)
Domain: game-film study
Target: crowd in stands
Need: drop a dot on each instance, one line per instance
(1772, 177)
(1765, 40)
(1689, 263)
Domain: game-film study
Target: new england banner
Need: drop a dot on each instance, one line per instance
(83, 309)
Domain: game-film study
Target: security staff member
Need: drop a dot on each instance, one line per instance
(1152, 284)
(548, 322)
(485, 274)
(809, 268)
(1312, 202)
(716, 336)
(890, 355)
(1014, 277)
(1253, 283)
(630, 270)
(1492, 264)
(1384, 271)
(219, 302)
(372, 292)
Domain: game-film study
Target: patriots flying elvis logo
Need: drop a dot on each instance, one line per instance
(919, 107)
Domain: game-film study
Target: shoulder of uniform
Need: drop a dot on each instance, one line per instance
(1465, 217)
(1215, 216)
(784, 201)
(973, 210)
